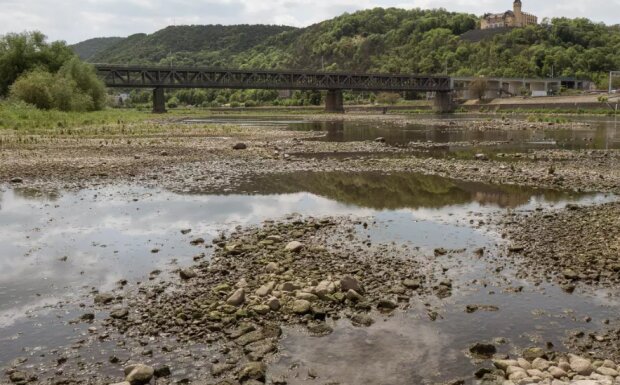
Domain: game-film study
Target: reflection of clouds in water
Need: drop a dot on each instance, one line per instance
(81, 223)
(11, 315)
(397, 351)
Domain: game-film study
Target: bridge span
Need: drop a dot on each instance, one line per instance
(160, 78)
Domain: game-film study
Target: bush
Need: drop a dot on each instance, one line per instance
(74, 88)
(86, 82)
(35, 88)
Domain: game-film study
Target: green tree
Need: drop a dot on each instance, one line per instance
(20, 53)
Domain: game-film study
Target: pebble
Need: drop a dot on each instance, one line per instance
(237, 298)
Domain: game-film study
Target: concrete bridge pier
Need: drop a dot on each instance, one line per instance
(159, 101)
(443, 102)
(334, 102)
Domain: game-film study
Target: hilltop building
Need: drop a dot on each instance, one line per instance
(509, 19)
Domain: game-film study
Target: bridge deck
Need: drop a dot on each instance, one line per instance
(162, 77)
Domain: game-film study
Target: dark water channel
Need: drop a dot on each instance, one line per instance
(55, 248)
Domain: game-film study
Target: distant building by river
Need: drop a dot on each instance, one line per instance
(509, 19)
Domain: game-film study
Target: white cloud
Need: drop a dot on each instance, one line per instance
(76, 20)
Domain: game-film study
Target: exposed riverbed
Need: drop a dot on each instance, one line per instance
(130, 220)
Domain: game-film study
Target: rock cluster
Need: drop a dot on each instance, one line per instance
(538, 367)
(550, 242)
(263, 278)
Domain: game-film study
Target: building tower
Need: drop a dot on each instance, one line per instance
(517, 7)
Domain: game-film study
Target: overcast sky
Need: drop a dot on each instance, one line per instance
(77, 20)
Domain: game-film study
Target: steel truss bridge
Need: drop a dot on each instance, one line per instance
(160, 78)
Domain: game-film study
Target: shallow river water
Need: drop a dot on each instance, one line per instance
(58, 247)
(601, 132)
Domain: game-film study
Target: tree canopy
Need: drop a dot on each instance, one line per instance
(47, 75)
(386, 40)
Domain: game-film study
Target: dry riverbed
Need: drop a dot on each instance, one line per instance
(224, 316)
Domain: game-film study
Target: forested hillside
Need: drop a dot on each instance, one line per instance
(208, 44)
(386, 40)
(87, 49)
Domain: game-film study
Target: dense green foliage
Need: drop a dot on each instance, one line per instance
(48, 75)
(24, 52)
(196, 44)
(387, 40)
(88, 48)
(75, 87)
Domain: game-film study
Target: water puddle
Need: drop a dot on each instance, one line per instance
(58, 247)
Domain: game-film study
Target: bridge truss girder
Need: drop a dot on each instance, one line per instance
(143, 77)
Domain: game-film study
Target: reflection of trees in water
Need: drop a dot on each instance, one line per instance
(34, 194)
(401, 190)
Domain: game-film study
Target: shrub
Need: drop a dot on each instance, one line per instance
(74, 88)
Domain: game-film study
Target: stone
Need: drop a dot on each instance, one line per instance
(531, 354)
(187, 274)
(412, 284)
(219, 369)
(104, 298)
(557, 372)
(274, 304)
(253, 371)
(386, 304)
(294, 246)
(250, 337)
(541, 364)
(140, 374)
(350, 283)
(256, 351)
(119, 313)
(237, 298)
(440, 251)
(380, 140)
(17, 180)
(272, 267)
(517, 376)
(261, 309)
(307, 296)
(504, 364)
(354, 296)
(162, 371)
(535, 373)
(570, 274)
(18, 377)
(197, 241)
(321, 329)
(580, 365)
(266, 289)
(301, 306)
(289, 287)
(240, 146)
(514, 369)
(324, 288)
(605, 371)
(361, 319)
(525, 364)
(483, 350)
